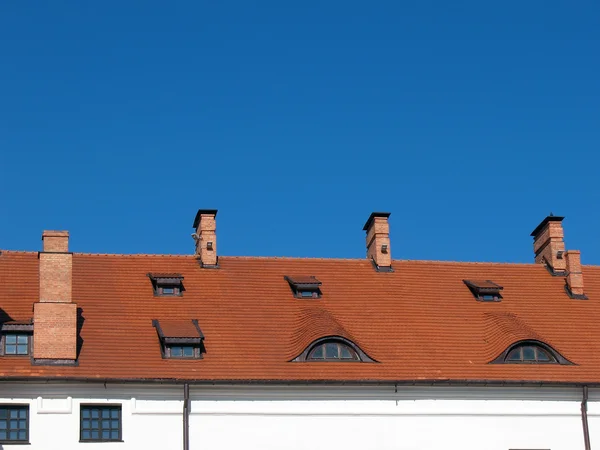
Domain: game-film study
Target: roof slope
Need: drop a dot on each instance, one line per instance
(420, 322)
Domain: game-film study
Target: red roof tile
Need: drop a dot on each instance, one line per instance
(418, 322)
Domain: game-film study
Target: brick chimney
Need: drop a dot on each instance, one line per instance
(205, 236)
(574, 276)
(549, 246)
(55, 315)
(378, 241)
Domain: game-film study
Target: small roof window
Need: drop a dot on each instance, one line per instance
(304, 286)
(167, 284)
(333, 348)
(484, 290)
(531, 352)
(180, 338)
(15, 338)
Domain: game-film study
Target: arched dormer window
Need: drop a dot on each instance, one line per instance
(333, 348)
(530, 352)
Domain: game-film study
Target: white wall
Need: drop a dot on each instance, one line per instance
(298, 418)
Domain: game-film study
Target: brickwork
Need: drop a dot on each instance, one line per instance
(548, 243)
(207, 232)
(378, 235)
(55, 316)
(55, 241)
(55, 277)
(574, 274)
(55, 328)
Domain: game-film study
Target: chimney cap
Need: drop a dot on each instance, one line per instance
(212, 212)
(544, 222)
(372, 217)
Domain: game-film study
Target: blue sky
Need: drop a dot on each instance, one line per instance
(469, 121)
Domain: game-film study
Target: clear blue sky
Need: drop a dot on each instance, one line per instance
(469, 121)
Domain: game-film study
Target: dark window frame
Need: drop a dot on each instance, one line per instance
(4, 344)
(339, 346)
(168, 350)
(15, 407)
(100, 407)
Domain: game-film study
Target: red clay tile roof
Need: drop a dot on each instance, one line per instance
(178, 329)
(418, 322)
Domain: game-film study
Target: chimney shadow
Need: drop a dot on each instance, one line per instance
(4, 317)
(80, 321)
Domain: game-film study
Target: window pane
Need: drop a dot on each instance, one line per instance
(85, 434)
(3, 435)
(347, 353)
(168, 291)
(114, 413)
(86, 424)
(95, 413)
(317, 353)
(11, 339)
(22, 339)
(306, 293)
(85, 413)
(22, 435)
(11, 349)
(14, 423)
(114, 424)
(176, 351)
(514, 355)
(188, 351)
(105, 424)
(528, 353)
(3, 424)
(542, 355)
(14, 413)
(23, 413)
(22, 424)
(95, 424)
(13, 435)
(331, 351)
(114, 435)
(95, 435)
(105, 413)
(105, 434)
(22, 349)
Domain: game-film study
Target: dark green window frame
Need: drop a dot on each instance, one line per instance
(100, 423)
(14, 424)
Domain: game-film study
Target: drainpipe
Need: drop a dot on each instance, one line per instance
(186, 416)
(584, 419)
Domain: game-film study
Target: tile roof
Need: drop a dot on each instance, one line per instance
(419, 322)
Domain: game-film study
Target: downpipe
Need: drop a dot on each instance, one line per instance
(186, 416)
(584, 419)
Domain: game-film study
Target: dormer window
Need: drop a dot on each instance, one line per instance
(167, 284)
(305, 287)
(16, 338)
(333, 348)
(484, 291)
(530, 352)
(180, 339)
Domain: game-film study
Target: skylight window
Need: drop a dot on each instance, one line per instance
(167, 284)
(484, 291)
(304, 286)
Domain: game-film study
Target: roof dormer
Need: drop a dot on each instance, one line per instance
(304, 286)
(484, 290)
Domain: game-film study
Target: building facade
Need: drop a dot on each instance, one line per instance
(208, 352)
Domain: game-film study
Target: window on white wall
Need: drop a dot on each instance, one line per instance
(100, 423)
(14, 424)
